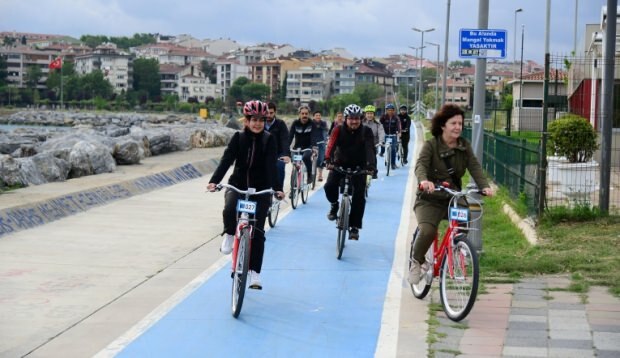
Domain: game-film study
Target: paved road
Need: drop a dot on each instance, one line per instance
(134, 270)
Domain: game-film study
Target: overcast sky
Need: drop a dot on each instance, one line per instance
(364, 27)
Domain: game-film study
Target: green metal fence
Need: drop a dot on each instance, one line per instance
(513, 164)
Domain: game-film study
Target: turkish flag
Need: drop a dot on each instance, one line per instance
(56, 63)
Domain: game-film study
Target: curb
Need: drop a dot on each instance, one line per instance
(34, 214)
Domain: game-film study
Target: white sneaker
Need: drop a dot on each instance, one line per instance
(414, 273)
(227, 244)
(255, 280)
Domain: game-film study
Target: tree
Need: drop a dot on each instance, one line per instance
(3, 70)
(146, 77)
(283, 88)
(94, 40)
(33, 76)
(254, 90)
(367, 93)
(210, 70)
(94, 85)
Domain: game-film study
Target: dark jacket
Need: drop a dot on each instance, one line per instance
(405, 122)
(319, 132)
(301, 134)
(352, 148)
(254, 159)
(279, 130)
(432, 167)
(391, 125)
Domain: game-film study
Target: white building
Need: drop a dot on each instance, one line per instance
(308, 84)
(186, 82)
(116, 66)
(227, 72)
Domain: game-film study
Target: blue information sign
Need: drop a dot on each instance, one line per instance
(482, 43)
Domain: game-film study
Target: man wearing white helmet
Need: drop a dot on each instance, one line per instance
(351, 145)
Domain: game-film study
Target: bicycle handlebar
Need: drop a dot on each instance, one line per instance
(349, 171)
(299, 150)
(249, 191)
(445, 186)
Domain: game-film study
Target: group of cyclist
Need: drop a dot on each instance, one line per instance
(261, 150)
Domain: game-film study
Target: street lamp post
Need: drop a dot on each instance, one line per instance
(444, 78)
(521, 71)
(436, 77)
(421, 95)
(415, 94)
(514, 48)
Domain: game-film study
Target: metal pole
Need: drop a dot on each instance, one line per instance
(543, 146)
(575, 29)
(514, 46)
(421, 94)
(607, 107)
(445, 56)
(475, 236)
(480, 85)
(521, 72)
(436, 77)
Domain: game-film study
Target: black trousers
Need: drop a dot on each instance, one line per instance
(358, 202)
(230, 224)
(404, 139)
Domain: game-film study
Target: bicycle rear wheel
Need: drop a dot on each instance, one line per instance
(274, 210)
(421, 289)
(240, 275)
(458, 291)
(294, 190)
(401, 154)
(304, 186)
(343, 226)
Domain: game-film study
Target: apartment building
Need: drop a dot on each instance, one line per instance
(344, 79)
(21, 58)
(116, 66)
(370, 71)
(307, 84)
(172, 54)
(227, 72)
(186, 82)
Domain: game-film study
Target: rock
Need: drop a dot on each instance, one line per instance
(127, 152)
(10, 172)
(87, 158)
(43, 168)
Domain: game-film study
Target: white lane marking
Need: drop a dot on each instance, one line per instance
(119, 344)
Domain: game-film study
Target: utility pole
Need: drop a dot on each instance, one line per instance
(445, 56)
(421, 94)
(436, 77)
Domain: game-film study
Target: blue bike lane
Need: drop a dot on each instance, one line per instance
(311, 305)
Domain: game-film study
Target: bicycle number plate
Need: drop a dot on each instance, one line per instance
(459, 214)
(297, 157)
(388, 140)
(246, 206)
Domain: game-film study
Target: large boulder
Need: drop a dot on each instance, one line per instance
(127, 151)
(88, 158)
(43, 168)
(10, 172)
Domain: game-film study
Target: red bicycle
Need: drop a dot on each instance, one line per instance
(299, 177)
(246, 210)
(454, 261)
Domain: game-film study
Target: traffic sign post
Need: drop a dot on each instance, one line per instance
(482, 43)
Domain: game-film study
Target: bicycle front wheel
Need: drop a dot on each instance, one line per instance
(388, 161)
(274, 210)
(458, 290)
(343, 226)
(401, 151)
(294, 189)
(305, 187)
(421, 289)
(240, 275)
(314, 172)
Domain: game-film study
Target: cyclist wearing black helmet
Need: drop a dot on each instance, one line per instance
(405, 125)
(351, 145)
(391, 127)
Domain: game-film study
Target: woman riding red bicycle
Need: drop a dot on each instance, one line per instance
(443, 158)
(253, 152)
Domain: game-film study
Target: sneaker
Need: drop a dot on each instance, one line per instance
(255, 280)
(415, 271)
(227, 244)
(333, 212)
(394, 167)
(354, 233)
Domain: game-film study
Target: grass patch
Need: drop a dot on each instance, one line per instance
(579, 242)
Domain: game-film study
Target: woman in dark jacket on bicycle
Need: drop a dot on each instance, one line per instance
(443, 158)
(253, 151)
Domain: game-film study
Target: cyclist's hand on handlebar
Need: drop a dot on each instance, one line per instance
(211, 187)
(487, 192)
(279, 195)
(285, 159)
(427, 186)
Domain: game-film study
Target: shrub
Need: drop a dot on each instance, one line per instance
(573, 137)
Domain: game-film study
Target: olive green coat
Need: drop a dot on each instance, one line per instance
(432, 207)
